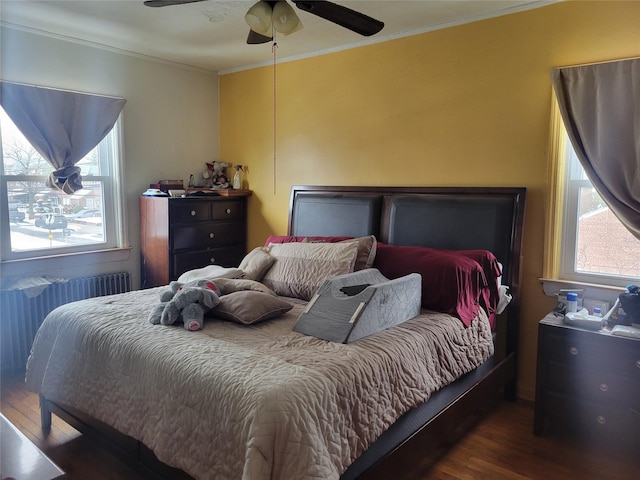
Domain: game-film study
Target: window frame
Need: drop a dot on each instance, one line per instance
(111, 159)
(562, 216)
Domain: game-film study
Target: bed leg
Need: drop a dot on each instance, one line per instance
(45, 414)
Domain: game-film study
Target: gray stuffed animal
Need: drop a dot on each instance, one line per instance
(188, 302)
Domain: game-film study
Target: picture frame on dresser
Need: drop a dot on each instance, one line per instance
(178, 234)
(587, 384)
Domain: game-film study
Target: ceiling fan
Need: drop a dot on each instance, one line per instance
(266, 16)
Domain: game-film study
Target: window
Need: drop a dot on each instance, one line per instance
(37, 220)
(595, 247)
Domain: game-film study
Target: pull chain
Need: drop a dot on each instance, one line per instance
(274, 49)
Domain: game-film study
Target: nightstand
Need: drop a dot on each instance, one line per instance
(588, 382)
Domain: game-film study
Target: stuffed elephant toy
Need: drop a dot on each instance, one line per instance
(188, 302)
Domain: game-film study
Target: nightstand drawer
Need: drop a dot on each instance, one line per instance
(594, 385)
(207, 235)
(593, 419)
(597, 352)
(225, 257)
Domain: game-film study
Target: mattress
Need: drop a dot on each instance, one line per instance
(252, 402)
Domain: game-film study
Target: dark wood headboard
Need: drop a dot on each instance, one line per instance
(456, 218)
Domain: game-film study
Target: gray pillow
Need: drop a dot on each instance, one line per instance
(256, 263)
(249, 307)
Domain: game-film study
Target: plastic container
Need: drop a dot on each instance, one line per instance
(597, 312)
(572, 302)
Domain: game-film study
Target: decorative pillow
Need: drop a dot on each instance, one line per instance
(256, 263)
(209, 272)
(366, 246)
(230, 285)
(451, 283)
(300, 268)
(249, 307)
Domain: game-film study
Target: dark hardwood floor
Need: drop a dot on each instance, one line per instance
(500, 445)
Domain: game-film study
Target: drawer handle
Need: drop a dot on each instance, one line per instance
(193, 213)
(638, 363)
(604, 387)
(601, 419)
(212, 260)
(573, 350)
(211, 235)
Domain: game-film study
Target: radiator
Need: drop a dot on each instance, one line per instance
(21, 316)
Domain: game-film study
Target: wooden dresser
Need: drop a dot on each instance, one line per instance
(588, 382)
(180, 234)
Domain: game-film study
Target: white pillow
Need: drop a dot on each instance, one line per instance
(301, 268)
(209, 272)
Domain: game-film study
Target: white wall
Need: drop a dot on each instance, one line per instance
(170, 120)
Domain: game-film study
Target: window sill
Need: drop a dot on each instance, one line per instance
(49, 263)
(606, 293)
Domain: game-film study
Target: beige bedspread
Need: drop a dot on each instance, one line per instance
(245, 402)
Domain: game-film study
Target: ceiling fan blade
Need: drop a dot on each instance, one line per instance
(343, 16)
(255, 38)
(166, 3)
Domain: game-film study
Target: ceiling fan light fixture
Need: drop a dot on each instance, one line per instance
(259, 18)
(284, 19)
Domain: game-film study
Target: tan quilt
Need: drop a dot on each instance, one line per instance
(245, 402)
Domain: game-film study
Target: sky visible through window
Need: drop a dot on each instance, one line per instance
(40, 217)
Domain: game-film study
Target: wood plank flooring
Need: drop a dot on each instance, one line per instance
(499, 446)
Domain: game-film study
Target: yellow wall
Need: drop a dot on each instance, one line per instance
(467, 105)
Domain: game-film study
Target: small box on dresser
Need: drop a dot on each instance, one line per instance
(588, 382)
(180, 234)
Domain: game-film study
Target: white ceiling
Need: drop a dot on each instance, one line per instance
(212, 34)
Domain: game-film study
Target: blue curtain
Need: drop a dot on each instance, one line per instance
(62, 126)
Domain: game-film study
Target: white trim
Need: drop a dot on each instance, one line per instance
(369, 41)
(592, 291)
(101, 46)
(80, 261)
(394, 36)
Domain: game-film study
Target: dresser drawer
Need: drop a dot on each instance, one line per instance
(593, 419)
(594, 352)
(205, 235)
(597, 386)
(227, 210)
(225, 257)
(190, 211)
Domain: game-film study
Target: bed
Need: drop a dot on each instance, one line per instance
(225, 402)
